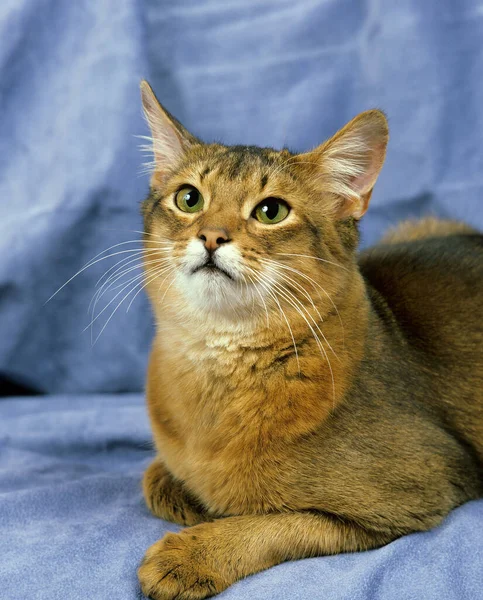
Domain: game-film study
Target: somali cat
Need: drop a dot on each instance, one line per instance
(304, 400)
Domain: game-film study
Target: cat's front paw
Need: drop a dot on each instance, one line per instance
(178, 567)
(167, 499)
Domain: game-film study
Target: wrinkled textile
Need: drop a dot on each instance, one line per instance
(269, 72)
(73, 525)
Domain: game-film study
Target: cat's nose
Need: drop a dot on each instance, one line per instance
(213, 238)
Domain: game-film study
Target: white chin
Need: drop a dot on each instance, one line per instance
(212, 291)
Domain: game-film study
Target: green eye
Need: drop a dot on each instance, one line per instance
(189, 200)
(271, 210)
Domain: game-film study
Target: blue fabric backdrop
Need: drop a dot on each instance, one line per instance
(73, 525)
(268, 72)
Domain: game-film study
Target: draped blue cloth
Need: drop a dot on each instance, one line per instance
(74, 526)
(268, 72)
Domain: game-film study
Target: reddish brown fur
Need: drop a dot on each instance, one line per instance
(270, 456)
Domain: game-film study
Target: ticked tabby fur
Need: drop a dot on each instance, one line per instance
(305, 400)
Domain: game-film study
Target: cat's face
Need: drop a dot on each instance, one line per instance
(228, 217)
(239, 231)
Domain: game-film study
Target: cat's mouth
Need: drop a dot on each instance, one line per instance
(211, 267)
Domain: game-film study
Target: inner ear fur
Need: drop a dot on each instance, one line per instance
(348, 164)
(170, 140)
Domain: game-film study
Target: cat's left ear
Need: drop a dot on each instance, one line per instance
(348, 164)
(170, 139)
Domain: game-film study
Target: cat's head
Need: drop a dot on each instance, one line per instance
(238, 231)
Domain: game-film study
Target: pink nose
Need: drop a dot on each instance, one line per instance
(213, 238)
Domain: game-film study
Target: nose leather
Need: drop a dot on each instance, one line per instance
(213, 238)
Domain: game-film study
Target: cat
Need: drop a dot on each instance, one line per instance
(304, 400)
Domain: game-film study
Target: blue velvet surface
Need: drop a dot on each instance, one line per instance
(73, 525)
(268, 72)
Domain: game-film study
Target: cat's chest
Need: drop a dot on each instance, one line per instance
(218, 430)
(218, 451)
(225, 421)
(226, 471)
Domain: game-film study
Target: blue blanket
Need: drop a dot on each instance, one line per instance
(73, 525)
(269, 72)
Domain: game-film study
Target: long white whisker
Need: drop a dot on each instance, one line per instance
(282, 312)
(314, 258)
(123, 263)
(284, 294)
(116, 296)
(312, 303)
(107, 285)
(128, 260)
(261, 297)
(110, 281)
(99, 292)
(166, 290)
(314, 285)
(124, 283)
(295, 299)
(169, 268)
(120, 264)
(299, 287)
(91, 263)
(119, 304)
(137, 231)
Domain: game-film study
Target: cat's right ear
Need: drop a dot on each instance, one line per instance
(170, 140)
(348, 164)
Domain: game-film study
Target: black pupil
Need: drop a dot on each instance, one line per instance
(270, 209)
(191, 198)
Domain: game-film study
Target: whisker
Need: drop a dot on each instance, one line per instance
(251, 294)
(96, 300)
(170, 269)
(314, 285)
(297, 286)
(124, 285)
(314, 258)
(116, 296)
(284, 293)
(166, 290)
(261, 297)
(127, 260)
(92, 262)
(119, 304)
(316, 337)
(138, 256)
(282, 312)
(113, 279)
(311, 317)
(137, 231)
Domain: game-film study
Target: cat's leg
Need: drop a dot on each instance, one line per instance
(167, 498)
(203, 560)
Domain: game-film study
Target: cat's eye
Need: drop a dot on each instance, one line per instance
(271, 210)
(189, 200)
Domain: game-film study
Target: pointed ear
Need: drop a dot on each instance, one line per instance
(349, 163)
(170, 140)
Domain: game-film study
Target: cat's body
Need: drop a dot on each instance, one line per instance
(412, 412)
(347, 412)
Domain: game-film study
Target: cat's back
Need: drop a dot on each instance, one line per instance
(431, 280)
(429, 291)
